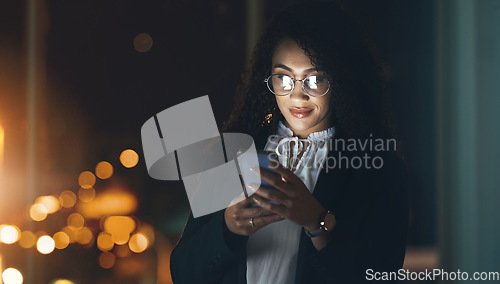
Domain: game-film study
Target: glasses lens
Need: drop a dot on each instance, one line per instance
(280, 85)
(316, 85)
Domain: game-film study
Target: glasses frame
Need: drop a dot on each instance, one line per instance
(293, 85)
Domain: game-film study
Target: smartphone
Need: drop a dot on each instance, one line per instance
(263, 162)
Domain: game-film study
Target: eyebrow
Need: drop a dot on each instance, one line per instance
(282, 66)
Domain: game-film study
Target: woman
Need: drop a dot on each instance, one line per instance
(312, 81)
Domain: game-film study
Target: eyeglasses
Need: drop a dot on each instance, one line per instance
(282, 85)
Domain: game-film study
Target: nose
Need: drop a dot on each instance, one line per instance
(298, 93)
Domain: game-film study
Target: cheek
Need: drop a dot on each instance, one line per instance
(323, 105)
(280, 103)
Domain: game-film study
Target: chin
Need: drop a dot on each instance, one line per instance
(301, 125)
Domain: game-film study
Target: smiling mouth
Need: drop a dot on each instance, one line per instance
(300, 112)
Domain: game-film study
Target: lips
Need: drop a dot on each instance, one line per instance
(300, 112)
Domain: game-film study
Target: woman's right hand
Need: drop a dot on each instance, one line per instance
(238, 217)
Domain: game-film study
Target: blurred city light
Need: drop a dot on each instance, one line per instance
(114, 201)
(148, 231)
(67, 199)
(9, 234)
(45, 244)
(50, 202)
(84, 236)
(61, 240)
(2, 145)
(63, 281)
(38, 212)
(27, 240)
(86, 179)
(86, 194)
(12, 276)
(105, 241)
(75, 221)
(107, 260)
(122, 251)
(120, 228)
(104, 170)
(143, 42)
(129, 158)
(138, 243)
(71, 234)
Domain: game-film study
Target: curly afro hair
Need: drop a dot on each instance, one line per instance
(332, 41)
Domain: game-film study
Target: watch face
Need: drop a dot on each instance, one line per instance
(329, 222)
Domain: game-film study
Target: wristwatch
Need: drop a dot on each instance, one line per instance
(326, 221)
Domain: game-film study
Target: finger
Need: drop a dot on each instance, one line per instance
(287, 174)
(244, 203)
(247, 213)
(273, 195)
(237, 199)
(275, 181)
(279, 209)
(260, 222)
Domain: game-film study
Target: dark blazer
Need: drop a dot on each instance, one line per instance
(371, 208)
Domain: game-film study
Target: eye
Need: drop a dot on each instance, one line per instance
(286, 82)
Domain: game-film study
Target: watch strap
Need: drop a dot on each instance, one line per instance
(314, 233)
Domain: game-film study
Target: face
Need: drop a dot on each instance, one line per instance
(304, 114)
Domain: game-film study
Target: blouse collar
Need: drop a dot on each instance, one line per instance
(315, 136)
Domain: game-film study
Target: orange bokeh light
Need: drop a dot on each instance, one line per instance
(86, 179)
(107, 260)
(27, 240)
(138, 243)
(45, 244)
(61, 240)
(75, 221)
(129, 158)
(86, 194)
(38, 212)
(104, 170)
(67, 199)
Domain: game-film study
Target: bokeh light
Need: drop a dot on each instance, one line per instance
(120, 228)
(63, 281)
(143, 42)
(86, 194)
(148, 231)
(12, 276)
(115, 201)
(107, 260)
(27, 240)
(45, 244)
(105, 241)
(67, 199)
(138, 243)
(84, 236)
(38, 212)
(122, 251)
(104, 170)
(50, 202)
(61, 240)
(71, 234)
(75, 221)
(129, 158)
(9, 234)
(86, 179)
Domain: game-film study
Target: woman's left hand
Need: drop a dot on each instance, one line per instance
(296, 203)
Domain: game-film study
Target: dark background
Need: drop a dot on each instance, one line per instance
(95, 91)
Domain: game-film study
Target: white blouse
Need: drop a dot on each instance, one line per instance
(272, 250)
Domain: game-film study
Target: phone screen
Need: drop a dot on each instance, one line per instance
(264, 158)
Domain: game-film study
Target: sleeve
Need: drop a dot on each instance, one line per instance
(371, 232)
(205, 250)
